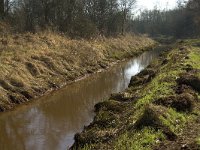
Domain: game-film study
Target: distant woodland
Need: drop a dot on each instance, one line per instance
(183, 21)
(88, 18)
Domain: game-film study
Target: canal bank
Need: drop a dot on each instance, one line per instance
(32, 65)
(159, 110)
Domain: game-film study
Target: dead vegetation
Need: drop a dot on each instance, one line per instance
(33, 64)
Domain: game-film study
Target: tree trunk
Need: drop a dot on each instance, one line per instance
(124, 22)
(1, 8)
(6, 7)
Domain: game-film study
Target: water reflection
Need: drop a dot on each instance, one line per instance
(52, 122)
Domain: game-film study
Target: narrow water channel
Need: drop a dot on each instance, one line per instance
(51, 122)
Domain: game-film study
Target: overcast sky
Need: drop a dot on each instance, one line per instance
(149, 4)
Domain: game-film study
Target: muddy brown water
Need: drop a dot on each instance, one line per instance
(51, 122)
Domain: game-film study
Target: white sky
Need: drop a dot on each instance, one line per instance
(162, 4)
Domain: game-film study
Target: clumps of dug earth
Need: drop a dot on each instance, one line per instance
(186, 96)
(92, 136)
(167, 112)
(152, 118)
(182, 103)
(111, 105)
(184, 100)
(105, 125)
(143, 77)
(187, 85)
(110, 119)
(191, 79)
(122, 97)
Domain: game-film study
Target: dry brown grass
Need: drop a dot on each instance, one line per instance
(32, 64)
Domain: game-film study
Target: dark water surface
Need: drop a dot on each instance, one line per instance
(51, 122)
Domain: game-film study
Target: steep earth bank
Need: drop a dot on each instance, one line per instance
(33, 64)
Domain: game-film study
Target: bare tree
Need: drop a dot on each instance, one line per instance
(7, 7)
(126, 7)
(1, 8)
(73, 17)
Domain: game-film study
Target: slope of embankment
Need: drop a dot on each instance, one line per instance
(160, 109)
(33, 64)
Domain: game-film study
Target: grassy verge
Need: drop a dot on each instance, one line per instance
(33, 64)
(159, 110)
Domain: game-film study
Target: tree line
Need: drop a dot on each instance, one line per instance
(83, 18)
(87, 18)
(183, 21)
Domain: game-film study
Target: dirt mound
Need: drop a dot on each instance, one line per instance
(143, 77)
(91, 137)
(182, 103)
(186, 89)
(110, 105)
(190, 79)
(122, 97)
(106, 119)
(151, 118)
(101, 130)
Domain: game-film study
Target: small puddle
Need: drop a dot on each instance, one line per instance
(52, 122)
